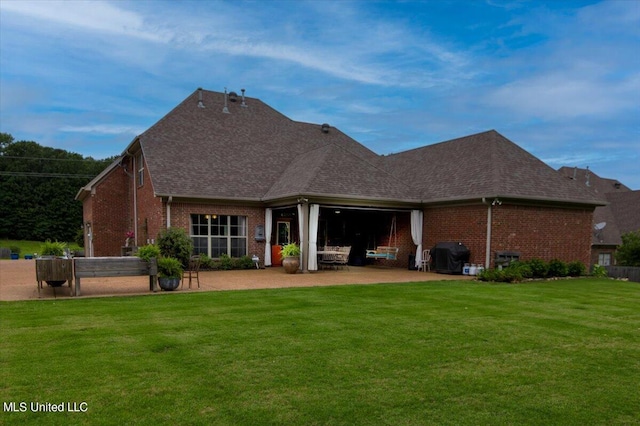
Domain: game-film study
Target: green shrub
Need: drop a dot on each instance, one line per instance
(174, 242)
(576, 269)
(50, 248)
(539, 268)
(148, 251)
(14, 249)
(206, 262)
(491, 275)
(511, 275)
(523, 268)
(599, 271)
(225, 263)
(244, 262)
(628, 254)
(169, 267)
(557, 268)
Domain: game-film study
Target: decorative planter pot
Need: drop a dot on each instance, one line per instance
(54, 271)
(291, 264)
(168, 284)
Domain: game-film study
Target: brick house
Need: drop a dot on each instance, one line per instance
(242, 178)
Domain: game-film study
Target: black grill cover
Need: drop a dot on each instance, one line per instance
(450, 257)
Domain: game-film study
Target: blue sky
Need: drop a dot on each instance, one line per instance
(559, 78)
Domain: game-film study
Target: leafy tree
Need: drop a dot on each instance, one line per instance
(628, 254)
(38, 186)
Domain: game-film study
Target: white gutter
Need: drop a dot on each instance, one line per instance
(169, 200)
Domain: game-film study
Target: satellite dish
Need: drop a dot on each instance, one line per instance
(599, 226)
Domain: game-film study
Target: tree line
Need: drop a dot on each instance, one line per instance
(38, 185)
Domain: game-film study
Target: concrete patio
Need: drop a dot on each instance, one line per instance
(18, 280)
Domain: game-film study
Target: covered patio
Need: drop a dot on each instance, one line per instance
(362, 228)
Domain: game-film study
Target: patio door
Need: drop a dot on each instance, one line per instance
(283, 233)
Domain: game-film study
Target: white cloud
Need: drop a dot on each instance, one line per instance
(104, 129)
(96, 15)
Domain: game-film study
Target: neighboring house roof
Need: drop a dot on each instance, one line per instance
(482, 165)
(626, 210)
(618, 216)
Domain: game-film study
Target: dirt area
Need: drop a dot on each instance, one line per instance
(18, 280)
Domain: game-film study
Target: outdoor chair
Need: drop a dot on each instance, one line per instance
(328, 259)
(425, 263)
(192, 271)
(342, 259)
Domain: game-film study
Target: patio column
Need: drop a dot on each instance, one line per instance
(267, 235)
(314, 213)
(416, 233)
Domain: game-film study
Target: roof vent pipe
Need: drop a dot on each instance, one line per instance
(325, 128)
(233, 96)
(243, 104)
(588, 173)
(226, 108)
(200, 104)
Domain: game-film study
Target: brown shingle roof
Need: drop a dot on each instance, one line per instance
(256, 153)
(205, 153)
(621, 213)
(626, 209)
(482, 165)
(332, 171)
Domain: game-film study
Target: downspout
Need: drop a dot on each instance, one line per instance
(135, 202)
(169, 200)
(487, 257)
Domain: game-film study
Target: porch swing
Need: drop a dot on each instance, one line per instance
(388, 252)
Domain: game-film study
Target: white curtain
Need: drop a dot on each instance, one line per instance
(416, 233)
(267, 235)
(301, 230)
(314, 213)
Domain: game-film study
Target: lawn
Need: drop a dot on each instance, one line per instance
(30, 247)
(460, 353)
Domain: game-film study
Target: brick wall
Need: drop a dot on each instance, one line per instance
(108, 212)
(465, 224)
(151, 211)
(544, 232)
(181, 217)
(535, 231)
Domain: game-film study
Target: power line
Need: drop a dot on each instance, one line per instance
(17, 157)
(47, 175)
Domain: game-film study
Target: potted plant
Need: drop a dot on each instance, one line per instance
(53, 266)
(169, 273)
(290, 258)
(15, 252)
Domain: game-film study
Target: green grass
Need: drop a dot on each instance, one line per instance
(30, 247)
(453, 353)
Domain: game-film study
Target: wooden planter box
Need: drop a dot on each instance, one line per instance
(54, 272)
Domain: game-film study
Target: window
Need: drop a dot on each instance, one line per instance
(215, 235)
(604, 259)
(140, 163)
